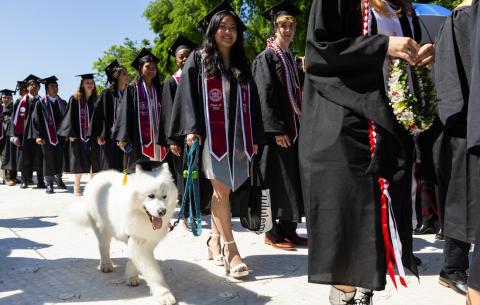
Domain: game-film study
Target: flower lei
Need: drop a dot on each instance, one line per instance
(415, 112)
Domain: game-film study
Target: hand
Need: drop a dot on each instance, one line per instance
(16, 141)
(426, 56)
(176, 150)
(121, 144)
(283, 141)
(403, 47)
(191, 138)
(72, 139)
(101, 141)
(40, 141)
(255, 149)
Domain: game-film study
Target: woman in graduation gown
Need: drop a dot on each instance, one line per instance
(220, 73)
(280, 91)
(104, 116)
(138, 119)
(83, 153)
(344, 97)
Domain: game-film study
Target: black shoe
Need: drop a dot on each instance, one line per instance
(60, 183)
(457, 281)
(41, 186)
(424, 229)
(24, 185)
(50, 189)
(439, 235)
(417, 260)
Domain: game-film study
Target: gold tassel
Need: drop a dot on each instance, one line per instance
(125, 177)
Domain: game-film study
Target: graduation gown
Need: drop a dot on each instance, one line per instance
(188, 115)
(126, 125)
(52, 154)
(3, 136)
(457, 170)
(9, 153)
(177, 163)
(279, 165)
(29, 155)
(61, 106)
(343, 90)
(83, 156)
(101, 125)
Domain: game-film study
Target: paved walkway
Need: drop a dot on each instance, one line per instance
(44, 259)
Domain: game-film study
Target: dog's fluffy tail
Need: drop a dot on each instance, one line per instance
(79, 212)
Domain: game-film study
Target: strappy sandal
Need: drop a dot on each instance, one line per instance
(217, 258)
(237, 271)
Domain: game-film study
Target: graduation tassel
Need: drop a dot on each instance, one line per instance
(124, 169)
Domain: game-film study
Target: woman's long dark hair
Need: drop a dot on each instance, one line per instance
(80, 93)
(239, 65)
(113, 88)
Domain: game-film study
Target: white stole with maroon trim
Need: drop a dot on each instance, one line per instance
(177, 76)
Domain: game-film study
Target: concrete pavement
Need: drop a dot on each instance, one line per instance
(44, 259)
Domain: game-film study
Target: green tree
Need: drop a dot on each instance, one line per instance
(170, 18)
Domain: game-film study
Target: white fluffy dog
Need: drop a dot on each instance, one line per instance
(138, 214)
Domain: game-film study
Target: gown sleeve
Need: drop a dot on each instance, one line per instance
(123, 128)
(37, 129)
(168, 96)
(69, 126)
(473, 125)
(264, 70)
(187, 114)
(451, 80)
(342, 65)
(258, 130)
(97, 126)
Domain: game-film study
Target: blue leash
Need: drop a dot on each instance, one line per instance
(191, 193)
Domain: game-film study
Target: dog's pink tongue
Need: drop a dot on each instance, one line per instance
(157, 223)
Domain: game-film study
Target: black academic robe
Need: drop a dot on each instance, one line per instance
(343, 90)
(126, 125)
(279, 165)
(52, 154)
(29, 155)
(83, 156)
(177, 163)
(188, 115)
(61, 106)
(9, 153)
(457, 170)
(3, 135)
(104, 114)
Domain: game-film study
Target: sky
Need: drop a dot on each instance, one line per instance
(64, 37)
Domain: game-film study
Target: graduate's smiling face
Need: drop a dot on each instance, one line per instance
(148, 70)
(33, 88)
(123, 78)
(285, 29)
(181, 57)
(6, 99)
(226, 34)
(88, 85)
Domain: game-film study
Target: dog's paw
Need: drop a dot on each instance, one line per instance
(165, 298)
(133, 281)
(106, 267)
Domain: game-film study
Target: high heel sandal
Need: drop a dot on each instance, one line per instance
(234, 271)
(217, 258)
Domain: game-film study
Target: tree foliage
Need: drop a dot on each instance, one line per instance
(170, 18)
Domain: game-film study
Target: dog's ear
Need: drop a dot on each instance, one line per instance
(164, 171)
(139, 169)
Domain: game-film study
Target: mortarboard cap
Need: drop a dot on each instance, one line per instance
(32, 78)
(222, 7)
(86, 76)
(110, 69)
(7, 92)
(283, 8)
(20, 85)
(49, 80)
(144, 53)
(181, 43)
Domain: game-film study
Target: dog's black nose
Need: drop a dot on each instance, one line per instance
(162, 212)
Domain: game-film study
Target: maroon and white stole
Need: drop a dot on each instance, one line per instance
(292, 81)
(146, 103)
(216, 115)
(84, 120)
(177, 75)
(391, 238)
(2, 134)
(20, 116)
(49, 120)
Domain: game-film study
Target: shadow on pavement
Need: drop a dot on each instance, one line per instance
(37, 282)
(28, 222)
(431, 261)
